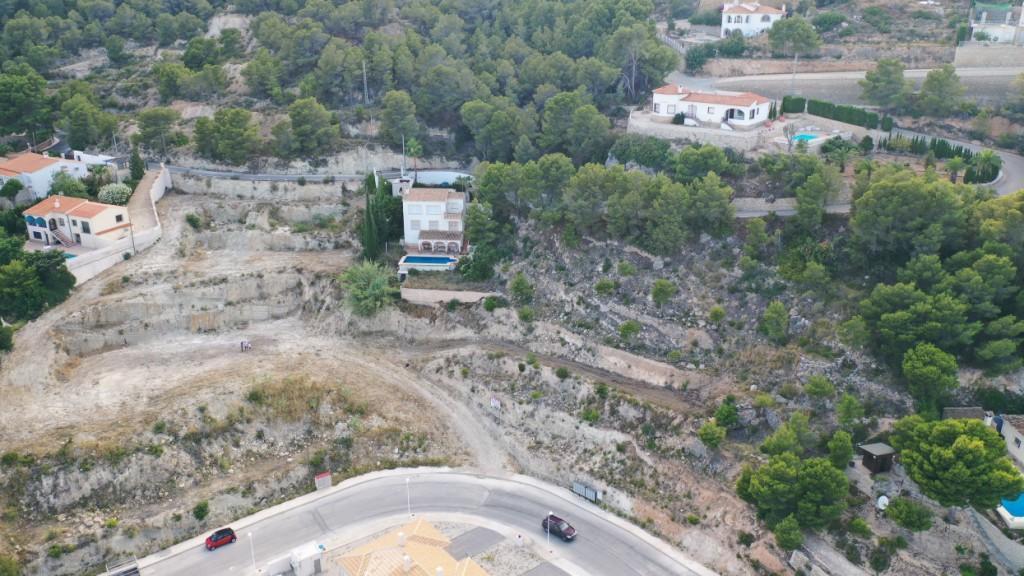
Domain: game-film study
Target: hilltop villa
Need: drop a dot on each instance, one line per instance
(36, 171)
(733, 109)
(749, 19)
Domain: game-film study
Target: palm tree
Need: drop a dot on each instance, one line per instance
(954, 166)
(986, 165)
(413, 149)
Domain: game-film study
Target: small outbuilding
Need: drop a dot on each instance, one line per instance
(878, 456)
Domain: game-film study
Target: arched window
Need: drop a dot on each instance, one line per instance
(426, 246)
(728, 19)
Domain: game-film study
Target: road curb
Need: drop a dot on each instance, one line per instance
(661, 546)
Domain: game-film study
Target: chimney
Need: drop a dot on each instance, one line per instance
(401, 539)
(56, 203)
(406, 564)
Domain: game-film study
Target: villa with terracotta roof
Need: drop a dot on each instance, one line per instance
(65, 221)
(743, 110)
(36, 171)
(416, 549)
(433, 220)
(749, 19)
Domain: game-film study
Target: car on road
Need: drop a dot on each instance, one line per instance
(221, 537)
(558, 527)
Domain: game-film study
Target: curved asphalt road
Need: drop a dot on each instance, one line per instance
(607, 545)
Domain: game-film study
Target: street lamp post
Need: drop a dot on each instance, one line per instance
(550, 514)
(252, 551)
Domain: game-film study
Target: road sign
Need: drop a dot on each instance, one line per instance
(322, 480)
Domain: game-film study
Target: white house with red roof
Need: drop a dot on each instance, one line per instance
(36, 171)
(433, 220)
(736, 109)
(749, 19)
(66, 221)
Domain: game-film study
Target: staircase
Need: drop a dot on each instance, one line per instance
(62, 238)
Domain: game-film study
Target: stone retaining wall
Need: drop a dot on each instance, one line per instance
(431, 297)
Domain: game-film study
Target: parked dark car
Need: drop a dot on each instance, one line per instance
(559, 527)
(221, 537)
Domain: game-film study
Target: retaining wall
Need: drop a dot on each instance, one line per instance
(265, 190)
(431, 297)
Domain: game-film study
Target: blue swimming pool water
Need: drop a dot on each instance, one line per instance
(804, 137)
(69, 256)
(429, 259)
(1015, 507)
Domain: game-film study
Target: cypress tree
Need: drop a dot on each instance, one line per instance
(370, 234)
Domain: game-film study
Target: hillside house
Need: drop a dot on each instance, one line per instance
(749, 19)
(65, 221)
(36, 171)
(1000, 23)
(1011, 428)
(744, 110)
(433, 220)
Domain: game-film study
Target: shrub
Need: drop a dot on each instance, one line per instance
(788, 534)
(6, 337)
(716, 315)
(369, 288)
(604, 286)
(11, 188)
(745, 538)
(909, 514)
(827, 21)
(201, 510)
(629, 329)
(858, 527)
(706, 18)
(793, 105)
(727, 415)
(9, 566)
(562, 372)
(194, 221)
(711, 434)
(775, 323)
(679, 119)
(601, 390)
(526, 314)
(520, 288)
(626, 268)
(492, 303)
(887, 124)
(818, 386)
(693, 519)
(591, 415)
(114, 193)
(662, 291)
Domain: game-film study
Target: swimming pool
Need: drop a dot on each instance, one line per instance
(805, 137)
(1015, 507)
(69, 256)
(429, 260)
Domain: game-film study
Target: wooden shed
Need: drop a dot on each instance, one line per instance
(878, 456)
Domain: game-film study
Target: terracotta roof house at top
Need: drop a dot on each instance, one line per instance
(732, 110)
(749, 19)
(36, 171)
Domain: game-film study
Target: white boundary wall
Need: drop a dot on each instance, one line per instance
(91, 264)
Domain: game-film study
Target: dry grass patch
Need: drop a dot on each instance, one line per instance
(293, 398)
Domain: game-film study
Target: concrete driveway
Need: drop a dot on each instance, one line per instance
(607, 544)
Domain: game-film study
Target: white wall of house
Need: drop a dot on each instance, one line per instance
(1014, 442)
(418, 216)
(84, 231)
(668, 105)
(39, 181)
(748, 24)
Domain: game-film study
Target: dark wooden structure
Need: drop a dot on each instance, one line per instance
(877, 456)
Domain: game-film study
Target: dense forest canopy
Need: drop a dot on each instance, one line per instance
(485, 70)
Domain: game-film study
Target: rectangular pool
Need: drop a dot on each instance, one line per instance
(69, 256)
(441, 260)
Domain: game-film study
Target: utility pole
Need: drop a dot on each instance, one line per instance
(403, 155)
(408, 498)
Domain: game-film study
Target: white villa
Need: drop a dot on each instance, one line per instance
(749, 19)
(433, 219)
(66, 221)
(36, 171)
(732, 109)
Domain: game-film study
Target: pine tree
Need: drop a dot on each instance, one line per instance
(138, 167)
(370, 233)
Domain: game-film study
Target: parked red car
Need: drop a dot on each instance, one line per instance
(558, 527)
(221, 537)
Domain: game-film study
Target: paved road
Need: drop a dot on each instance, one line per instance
(1012, 177)
(986, 86)
(607, 545)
